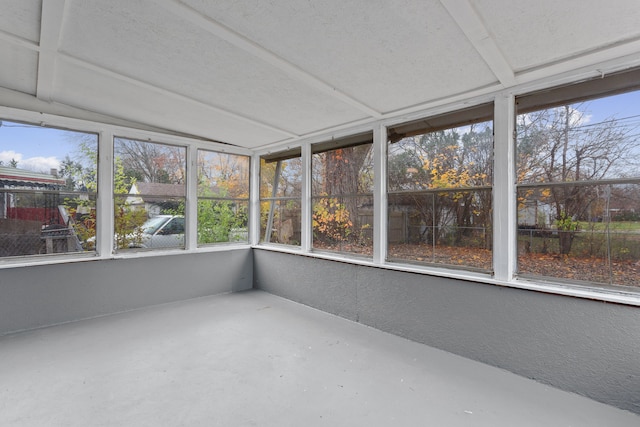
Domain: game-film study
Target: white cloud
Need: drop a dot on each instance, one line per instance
(40, 164)
(555, 116)
(7, 156)
(576, 117)
(35, 164)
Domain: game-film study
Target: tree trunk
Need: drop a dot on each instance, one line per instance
(342, 176)
(565, 240)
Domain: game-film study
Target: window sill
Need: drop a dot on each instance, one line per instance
(69, 259)
(35, 260)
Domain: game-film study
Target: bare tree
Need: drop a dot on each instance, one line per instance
(559, 145)
(152, 162)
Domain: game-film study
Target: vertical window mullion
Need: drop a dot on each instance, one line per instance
(379, 194)
(306, 208)
(191, 202)
(254, 204)
(104, 203)
(504, 189)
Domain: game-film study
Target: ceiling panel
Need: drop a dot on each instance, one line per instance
(388, 57)
(259, 72)
(19, 68)
(21, 18)
(534, 33)
(104, 94)
(142, 41)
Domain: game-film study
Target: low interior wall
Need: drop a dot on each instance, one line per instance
(583, 346)
(579, 345)
(37, 296)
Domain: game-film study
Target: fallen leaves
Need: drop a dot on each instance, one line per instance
(588, 269)
(584, 269)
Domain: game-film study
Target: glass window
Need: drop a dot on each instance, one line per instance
(342, 195)
(579, 191)
(149, 195)
(48, 185)
(440, 173)
(223, 197)
(280, 199)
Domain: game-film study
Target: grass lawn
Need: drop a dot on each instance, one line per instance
(614, 226)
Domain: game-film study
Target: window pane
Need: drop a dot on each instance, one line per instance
(222, 221)
(149, 199)
(280, 201)
(223, 198)
(223, 175)
(600, 244)
(345, 171)
(48, 184)
(342, 200)
(586, 141)
(284, 180)
(580, 226)
(451, 158)
(285, 223)
(343, 224)
(450, 228)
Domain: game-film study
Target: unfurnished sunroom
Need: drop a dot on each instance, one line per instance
(461, 174)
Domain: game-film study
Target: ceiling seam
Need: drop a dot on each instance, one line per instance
(166, 92)
(50, 29)
(251, 47)
(19, 41)
(325, 131)
(584, 59)
(471, 24)
(20, 101)
(436, 106)
(600, 62)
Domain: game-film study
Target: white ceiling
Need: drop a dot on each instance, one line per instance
(255, 73)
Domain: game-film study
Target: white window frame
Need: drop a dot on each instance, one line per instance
(150, 141)
(104, 201)
(334, 143)
(504, 200)
(196, 197)
(504, 187)
(272, 200)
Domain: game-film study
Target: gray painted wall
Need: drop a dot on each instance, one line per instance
(32, 297)
(587, 347)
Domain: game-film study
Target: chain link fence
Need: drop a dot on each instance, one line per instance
(22, 240)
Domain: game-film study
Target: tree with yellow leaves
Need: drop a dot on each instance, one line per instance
(457, 161)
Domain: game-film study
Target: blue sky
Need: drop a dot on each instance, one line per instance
(36, 148)
(41, 149)
(624, 105)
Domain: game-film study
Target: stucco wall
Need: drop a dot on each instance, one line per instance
(583, 346)
(32, 297)
(587, 347)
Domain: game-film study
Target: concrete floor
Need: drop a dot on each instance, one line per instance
(253, 359)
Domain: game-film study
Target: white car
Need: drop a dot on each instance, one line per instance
(163, 231)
